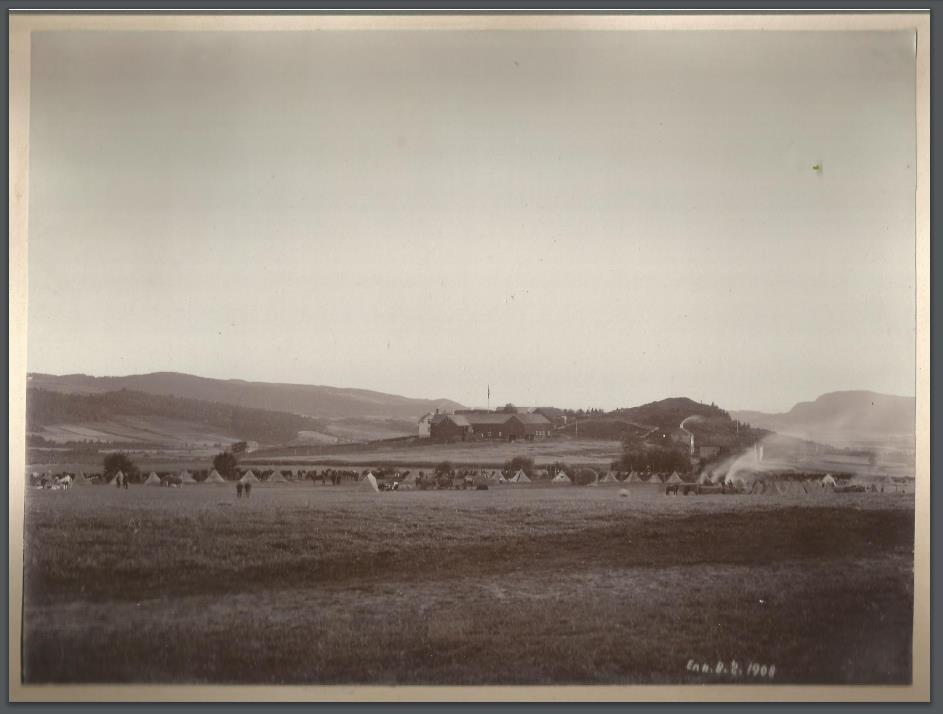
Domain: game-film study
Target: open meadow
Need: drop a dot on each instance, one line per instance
(303, 583)
(598, 453)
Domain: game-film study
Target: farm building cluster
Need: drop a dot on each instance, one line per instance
(472, 425)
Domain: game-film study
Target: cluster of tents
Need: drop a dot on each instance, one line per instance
(214, 477)
(560, 478)
(636, 477)
(743, 481)
(183, 478)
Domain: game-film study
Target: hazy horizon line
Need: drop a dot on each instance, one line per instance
(461, 403)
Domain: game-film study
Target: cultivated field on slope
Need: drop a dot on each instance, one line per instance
(513, 585)
(150, 429)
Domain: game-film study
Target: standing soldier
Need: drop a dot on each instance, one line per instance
(238, 489)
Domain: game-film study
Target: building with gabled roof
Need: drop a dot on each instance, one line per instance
(450, 427)
(498, 426)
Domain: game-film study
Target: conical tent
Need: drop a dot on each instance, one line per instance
(248, 477)
(186, 477)
(214, 477)
(152, 480)
(276, 477)
(828, 480)
(520, 477)
(118, 478)
(409, 479)
(633, 478)
(655, 478)
(675, 478)
(561, 478)
(609, 478)
(783, 488)
(369, 483)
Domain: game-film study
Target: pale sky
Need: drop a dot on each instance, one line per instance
(579, 219)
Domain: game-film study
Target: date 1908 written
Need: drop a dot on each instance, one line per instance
(733, 669)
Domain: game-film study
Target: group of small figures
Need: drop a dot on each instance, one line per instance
(240, 487)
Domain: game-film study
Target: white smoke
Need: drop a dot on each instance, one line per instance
(693, 417)
(745, 461)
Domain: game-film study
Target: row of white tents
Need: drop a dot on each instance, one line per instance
(561, 478)
(369, 481)
(185, 477)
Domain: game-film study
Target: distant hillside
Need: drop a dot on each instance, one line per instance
(843, 418)
(304, 399)
(137, 417)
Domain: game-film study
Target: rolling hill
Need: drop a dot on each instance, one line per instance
(303, 399)
(131, 417)
(843, 418)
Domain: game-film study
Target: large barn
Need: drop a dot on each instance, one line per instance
(450, 427)
(482, 425)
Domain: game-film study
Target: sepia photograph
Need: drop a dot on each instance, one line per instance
(437, 353)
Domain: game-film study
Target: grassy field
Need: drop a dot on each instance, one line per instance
(414, 454)
(596, 452)
(514, 585)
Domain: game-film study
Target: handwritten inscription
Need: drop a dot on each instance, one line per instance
(733, 668)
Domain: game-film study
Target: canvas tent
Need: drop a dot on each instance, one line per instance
(214, 477)
(152, 480)
(497, 476)
(369, 483)
(783, 488)
(609, 478)
(633, 478)
(276, 477)
(654, 478)
(186, 477)
(520, 477)
(248, 477)
(561, 478)
(828, 480)
(674, 478)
